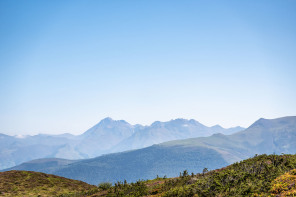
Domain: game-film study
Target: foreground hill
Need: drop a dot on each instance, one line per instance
(264, 136)
(25, 183)
(108, 136)
(263, 175)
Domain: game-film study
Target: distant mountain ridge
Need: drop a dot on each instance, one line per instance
(160, 132)
(108, 136)
(264, 136)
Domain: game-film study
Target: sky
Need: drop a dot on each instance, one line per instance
(65, 65)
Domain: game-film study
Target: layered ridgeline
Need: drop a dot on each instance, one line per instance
(167, 159)
(106, 137)
(263, 175)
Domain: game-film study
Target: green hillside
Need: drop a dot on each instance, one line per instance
(26, 183)
(263, 175)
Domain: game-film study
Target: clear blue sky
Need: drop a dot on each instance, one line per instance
(65, 65)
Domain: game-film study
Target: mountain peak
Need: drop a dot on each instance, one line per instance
(217, 126)
(268, 123)
(262, 122)
(156, 124)
(179, 120)
(109, 121)
(106, 120)
(109, 129)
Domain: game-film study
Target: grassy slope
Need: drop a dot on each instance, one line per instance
(26, 183)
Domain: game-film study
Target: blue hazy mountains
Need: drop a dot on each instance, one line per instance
(108, 136)
(264, 136)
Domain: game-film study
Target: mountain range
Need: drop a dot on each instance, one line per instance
(108, 136)
(274, 136)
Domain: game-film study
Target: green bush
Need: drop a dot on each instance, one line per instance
(105, 185)
(185, 191)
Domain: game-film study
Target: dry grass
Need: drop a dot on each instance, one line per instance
(285, 185)
(26, 183)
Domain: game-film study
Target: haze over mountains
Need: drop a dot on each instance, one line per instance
(108, 136)
(169, 158)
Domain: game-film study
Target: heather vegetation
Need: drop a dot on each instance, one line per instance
(25, 183)
(264, 175)
(285, 185)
